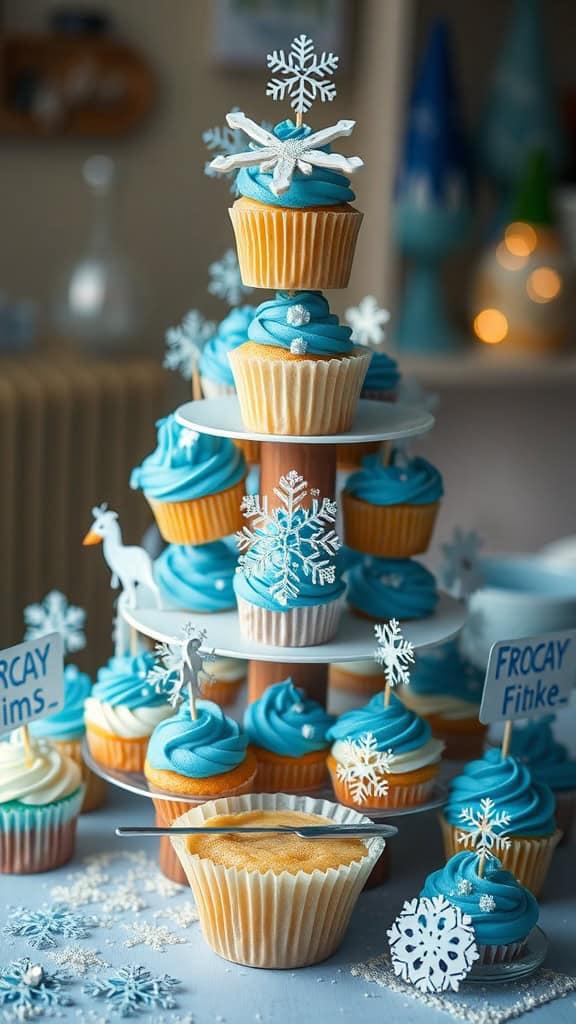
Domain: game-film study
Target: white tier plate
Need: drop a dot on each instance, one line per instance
(374, 421)
(354, 642)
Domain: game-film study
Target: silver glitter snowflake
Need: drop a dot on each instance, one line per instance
(79, 960)
(363, 768)
(306, 76)
(289, 539)
(298, 347)
(55, 615)
(297, 315)
(225, 279)
(464, 887)
(432, 944)
(133, 990)
(178, 667)
(487, 903)
(121, 898)
(42, 928)
(394, 653)
(155, 936)
(81, 890)
(367, 321)
(485, 832)
(184, 344)
(156, 882)
(183, 915)
(28, 990)
(460, 571)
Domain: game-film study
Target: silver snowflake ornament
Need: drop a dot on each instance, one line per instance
(28, 990)
(306, 76)
(178, 666)
(298, 347)
(460, 571)
(285, 156)
(394, 653)
(55, 615)
(367, 321)
(184, 344)
(297, 315)
(487, 903)
(432, 944)
(133, 990)
(156, 936)
(225, 279)
(363, 768)
(485, 828)
(79, 960)
(464, 887)
(42, 928)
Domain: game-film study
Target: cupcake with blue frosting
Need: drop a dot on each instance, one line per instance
(535, 745)
(391, 588)
(530, 806)
(197, 578)
(302, 358)
(390, 508)
(222, 679)
(502, 911)
(216, 375)
(194, 484)
(287, 733)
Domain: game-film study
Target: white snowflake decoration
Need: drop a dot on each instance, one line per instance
(298, 347)
(432, 944)
(289, 538)
(225, 279)
(460, 571)
(487, 903)
(122, 898)
(394, 653)
(27, 990)
(485, 833)
(82, 890)
(42, 928)
(297, 315)
(155, 936)
(285, 156)
(179, 665)
(306, 76)
(79, 960)
(464, 887)
(225, 141)
(184, 344)
(55, 615)
(134, 989)
(188, 438)
(183, 916)
(367, 321)
(363, 768)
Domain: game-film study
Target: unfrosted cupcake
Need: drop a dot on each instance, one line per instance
(550, 764)
(39, 806)
(503, 912)
(532, 829)
(194, 484)
(391, 588)
(122, 711)
(66, 730)
(394, 730)
(288, 736)
(222, 679)
(301, 358)
(197, 578)
(390, 510)
(215, 371)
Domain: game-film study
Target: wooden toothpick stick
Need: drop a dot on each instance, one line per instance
(28, 751)
(506, 739)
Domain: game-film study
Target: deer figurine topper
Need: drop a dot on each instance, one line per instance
(129, 565)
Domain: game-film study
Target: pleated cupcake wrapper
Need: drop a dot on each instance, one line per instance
(204, 519)
(295, 249)
(215, 389)
(301, 396)
(527, 857)
(274, 920)
(351, 682)
(387, 531)
(298, 627)
(34, 839)
(503, 954)
(565, 811)
(249, 449)
(95, 787)
(405, 795)
(116, 751)
(223, 694)
(349, 456)
(281, 777)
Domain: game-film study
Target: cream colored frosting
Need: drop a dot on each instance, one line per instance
(438, 704)
(429, 753)
(226, 670)
(51, 776)
(361, 668)
(128, 723)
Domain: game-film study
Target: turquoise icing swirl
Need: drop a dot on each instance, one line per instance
(388, 588)
(534, 745)
(285, 722)
(323, 335)
(383, 373)
(320, 188)
(199, 578)
(418, 483)
(396, 728)
(509, 784)
(180, 472)
(68, 723)
(232, 332)
(122, 682)
(443, 670)
(516, 910)
(347, 559)
(209, 745)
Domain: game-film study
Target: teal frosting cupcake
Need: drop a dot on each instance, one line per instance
(123, 681)
(232, 332)
(383, 375)
(395, 728)
(197, 748)
(197, 577)
(416, 483)
(67, 725)
(301, 322)
(387, 588)
(284, 721)
(442, 670)
(547, 759)
(321, 187)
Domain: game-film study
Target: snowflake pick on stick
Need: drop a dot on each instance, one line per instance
(460, 572)
(225, 279)
(395, 654)
(55, 615)
(432, 944)
(485, 832)
(134, 990)
(306, 76)
(179, 666)
(367, 321)
(184, 344)
(363, 768)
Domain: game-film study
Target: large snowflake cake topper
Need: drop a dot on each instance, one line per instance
(55, 615)
(460, 572)
(306, 76)
(485, 829)
(184, 344)
(394, 653)
(290, 539)
(432, 944)
(363, 768)
(367, 321)
(226, 280)
(176, 673)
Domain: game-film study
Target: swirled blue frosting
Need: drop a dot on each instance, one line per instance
(443, 670)
(417, 483)
(323, 334)
(509, 784)
(320, 188)
(392, 588)
(515, 912)
(285, 722)
(347, 558)
(178, 471)
(209, 745)
(383, 373)
(123, 682)
(534, 745)
(68, 723)
(396, 728)
(198, 577)
(232, 332)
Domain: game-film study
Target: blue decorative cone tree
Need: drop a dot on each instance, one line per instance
(431, 214)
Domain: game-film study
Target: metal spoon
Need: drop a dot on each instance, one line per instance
(305, 832)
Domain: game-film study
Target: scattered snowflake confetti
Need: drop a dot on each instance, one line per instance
(79, 960)
(306, 76)
(393, 652)
(157, 883)
(485, 832)
(297, 315)
(184, 344)
(80, 891)
(298, 347)
(460, 571)
(134, 989)
(464, 887)
(55, 615)
(226, 280)
(367, 321)
(42, 928)
(432, 944)
(363, 768)
(28, 990)
(183, 916)
(487, 903)
(121, 898)
(289, 538)
(155, 936)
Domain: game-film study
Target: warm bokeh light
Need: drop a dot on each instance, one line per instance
(520, 239)
(544, 284)
(491, 326)
(508, 260)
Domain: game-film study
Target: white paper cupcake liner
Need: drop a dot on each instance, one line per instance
(296, 627)
(502, 954)
(34, 839)
(274, 920)
(214, 389)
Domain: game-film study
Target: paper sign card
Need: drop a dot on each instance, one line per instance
(529, 677)
(31, 681)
